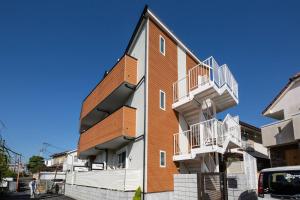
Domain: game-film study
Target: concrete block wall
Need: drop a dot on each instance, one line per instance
(91, 193)
(238, 189)
(185, 187)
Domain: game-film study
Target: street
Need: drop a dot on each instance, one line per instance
(26, 195)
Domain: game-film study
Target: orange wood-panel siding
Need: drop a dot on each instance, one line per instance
(190, 63)
(120, 123)
(161, 124)
(124, 71)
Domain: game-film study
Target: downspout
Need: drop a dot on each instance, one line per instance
(145, 107)
(106, 158)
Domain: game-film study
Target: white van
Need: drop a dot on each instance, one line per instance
(279, 183)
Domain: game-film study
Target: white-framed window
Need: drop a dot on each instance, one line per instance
(162, 159)
(162, 45)
(162, 100)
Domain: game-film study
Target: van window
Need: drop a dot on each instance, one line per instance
(282, 183)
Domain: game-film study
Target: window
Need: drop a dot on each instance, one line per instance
(282, 183)
(162, 156)
(162, 45)
(162, 100)
(122, 160)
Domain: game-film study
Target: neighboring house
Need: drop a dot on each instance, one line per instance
(252, 144)
(252, 148)
(73, 163)
(152, 120)
(282, 136)
(48, 162)
(66, 161)
(245, 163)
(15, 167)
(56, 161)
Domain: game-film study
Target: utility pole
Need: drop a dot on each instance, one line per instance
(18, 175)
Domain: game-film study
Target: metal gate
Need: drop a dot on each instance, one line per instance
(212, 186)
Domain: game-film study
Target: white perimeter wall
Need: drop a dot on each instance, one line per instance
(122, 180)
(51, 175)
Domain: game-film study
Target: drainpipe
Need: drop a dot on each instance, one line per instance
(145, 106)
(106, 158)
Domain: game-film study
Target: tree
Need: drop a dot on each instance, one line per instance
(36, 164)
(3, 164)
(138, 194)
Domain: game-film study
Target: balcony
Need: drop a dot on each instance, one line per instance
(205, 80)
(255, 148)
(111, 93)
(121, 180)
(282, 132)
(112, 132)
(207, 137)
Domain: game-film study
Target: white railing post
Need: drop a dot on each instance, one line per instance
(201, 132)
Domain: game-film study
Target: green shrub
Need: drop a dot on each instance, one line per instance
(138, 194)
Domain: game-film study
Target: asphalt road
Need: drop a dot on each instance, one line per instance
(24, 193)
(26, 196)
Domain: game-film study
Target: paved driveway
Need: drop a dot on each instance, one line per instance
(26, 196)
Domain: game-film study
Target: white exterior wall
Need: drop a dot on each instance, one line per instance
(70, 161)
(137, 99)
(49, 162)
(183, 126)
(111, 159)
(290, 102)
(51, 175)
(184, 140)
(181, 69)
(134, 149)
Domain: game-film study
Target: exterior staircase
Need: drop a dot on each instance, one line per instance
(207, 80)
(207, 137)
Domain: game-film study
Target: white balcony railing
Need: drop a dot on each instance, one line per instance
(210, 133)
(203, 73)
(122, 179)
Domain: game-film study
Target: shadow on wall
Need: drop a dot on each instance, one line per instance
(285, 133)
(248, 195)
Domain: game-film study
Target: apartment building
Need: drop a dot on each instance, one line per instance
(152, 117)
(282, 136)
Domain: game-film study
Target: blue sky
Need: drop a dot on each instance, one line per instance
(52, 53)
